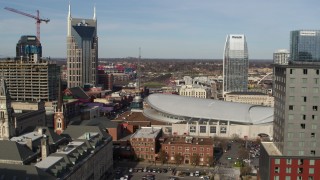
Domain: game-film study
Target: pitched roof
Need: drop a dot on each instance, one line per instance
(76, 131)
(11, 150)
(12, 171)
(78, 92)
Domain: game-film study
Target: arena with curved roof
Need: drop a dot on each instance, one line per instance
(208, 117)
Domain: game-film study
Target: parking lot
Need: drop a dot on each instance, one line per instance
(160, 172)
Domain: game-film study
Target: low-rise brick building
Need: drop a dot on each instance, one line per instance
(188, 147)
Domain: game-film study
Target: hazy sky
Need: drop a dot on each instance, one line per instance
(163, 28)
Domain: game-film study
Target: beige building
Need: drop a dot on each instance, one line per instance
(257, 98)
(195, 91)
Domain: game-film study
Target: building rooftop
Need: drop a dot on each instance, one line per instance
(14, 151)
(15, 171)
(246, 93)
(147, 132)
(186, 108)
(188, 140)
(271, 149)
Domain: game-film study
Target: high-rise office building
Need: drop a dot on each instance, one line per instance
(235, 64)
(281, 56)
(305, 45)
(295, 150)
(28, 76)
(82, 51)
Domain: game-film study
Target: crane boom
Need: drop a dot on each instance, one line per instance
(37, 18)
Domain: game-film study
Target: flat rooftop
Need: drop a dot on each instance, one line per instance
(271, 149)
(146, 132)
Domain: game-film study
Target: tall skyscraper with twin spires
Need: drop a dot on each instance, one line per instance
(82, 50)
(235, 64)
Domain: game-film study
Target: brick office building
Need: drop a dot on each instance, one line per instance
(187, 147)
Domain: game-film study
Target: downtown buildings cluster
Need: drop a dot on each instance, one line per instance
(66, 151)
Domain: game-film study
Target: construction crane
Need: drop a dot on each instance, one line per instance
(37, 18)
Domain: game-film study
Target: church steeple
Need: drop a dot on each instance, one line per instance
(6, 120)
(59, 123)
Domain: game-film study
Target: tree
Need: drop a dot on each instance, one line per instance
(178, 158)
(210, 160)
(163, 156)
(243, 153)
(245, 170)
(195, 159)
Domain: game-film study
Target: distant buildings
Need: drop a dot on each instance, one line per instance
(235, 64)
(295, 151)
(305, 46)
(281, 56)
(82, 51)
(29, 77)
(257, 98)
(195, 91)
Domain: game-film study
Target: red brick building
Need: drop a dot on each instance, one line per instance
(145, 143)
(187, 147)
(278, 167)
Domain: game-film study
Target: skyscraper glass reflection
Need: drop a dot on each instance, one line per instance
(235, 64)
(305, 45)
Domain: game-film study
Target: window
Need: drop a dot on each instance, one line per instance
(290, 116)
(301, 144)
(316, 99)
(194, 149)
(213, 129)
(304, 98)
(317, 71)
(276, 178)
(301, 153)
(300, 170)
(276, 161)
(313, 152)
(304, 80)
(304, 89)
(311, 170)
(300, 161)
(315, 90)
(311, 162)
(303, 108)
(291, 71)
(172, 148)
(291, 80)
(291, 107)
(288, 170)
(301, 134)
(314, 117)
(291, 89)
(315, 108)
(313, 126)
(291, 98)
(201, 149)
(305, 71)
(193, 129)
(179, 148)
(310, 178)
(289, 161)
(276, 170)
(313, 135)
(303, 126)
(316, 80)
(223, 130)
(203, 129)
(288, 178)
(290, 135)
(303, 117)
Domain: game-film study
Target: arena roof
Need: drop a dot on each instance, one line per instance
(210, 109)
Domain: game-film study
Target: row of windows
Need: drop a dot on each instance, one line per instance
(302, 108)
(203, 129)
(302, 117)
(299, 161)
(303, 90)
(299, 170)
(144, 149)
(186, 148)
(304, 71)
(300, 135)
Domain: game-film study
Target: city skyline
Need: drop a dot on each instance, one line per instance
(163, 29)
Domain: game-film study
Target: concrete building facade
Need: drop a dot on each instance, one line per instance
(257, 98)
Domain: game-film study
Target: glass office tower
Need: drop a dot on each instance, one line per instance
(304, 45)
(235, 64)
(82, 51)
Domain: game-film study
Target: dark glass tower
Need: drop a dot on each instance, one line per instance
(82, 51)
(29, 49)
(305, 45)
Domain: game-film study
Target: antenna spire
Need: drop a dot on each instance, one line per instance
(94, 12)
